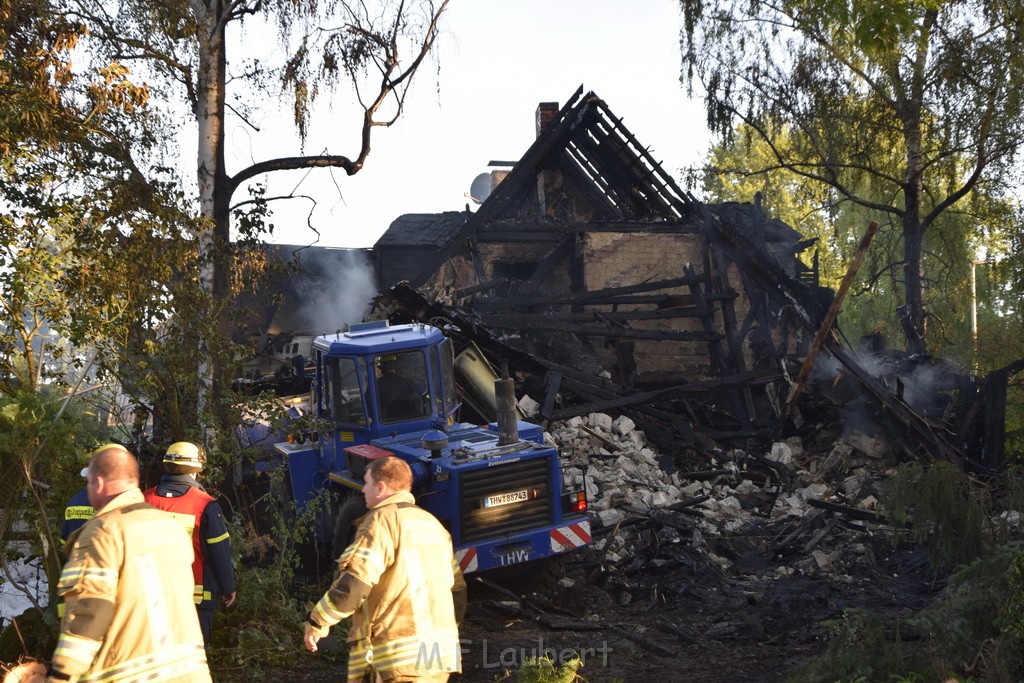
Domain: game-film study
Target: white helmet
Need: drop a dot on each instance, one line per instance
(185, 454)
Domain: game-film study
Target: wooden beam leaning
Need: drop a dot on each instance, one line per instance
(830, 318)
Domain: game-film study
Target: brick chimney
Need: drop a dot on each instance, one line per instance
(546, 113)
(551, 197)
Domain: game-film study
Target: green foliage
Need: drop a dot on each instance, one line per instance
(943, 506)
(973, 631)
(744, 165)
(264, 628)
(43, 439)
(544, 670)
(909, 110)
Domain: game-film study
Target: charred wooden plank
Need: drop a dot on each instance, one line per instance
(645, 642)
(548, 264)
(688, 503)
(700, 388)
(765, 271)
(734, 362)
(526, 319)
(714, 338)
(484, 235)
(624, 226)
(552, 382)
(560, 623)
(663, 301)
(538, 323)
(851, 512)
(604, 293)
(735, 359)
(715, 350)
(603, 439)
(666, 440)
(654, 173)
(482, 287)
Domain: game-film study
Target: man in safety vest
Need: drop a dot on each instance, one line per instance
(126, 588)
(400, 580)
(200, 515)
(78, 511)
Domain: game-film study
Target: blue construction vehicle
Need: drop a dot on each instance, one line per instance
(390, 390)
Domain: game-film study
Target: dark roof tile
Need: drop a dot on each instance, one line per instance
(422, 229)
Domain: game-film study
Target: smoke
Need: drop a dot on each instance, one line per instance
(333, 287)
(926, 384)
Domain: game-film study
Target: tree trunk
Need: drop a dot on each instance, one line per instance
(913, 229)
(913, 246)
(213, 200)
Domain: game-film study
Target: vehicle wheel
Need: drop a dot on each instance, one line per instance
(350, 509)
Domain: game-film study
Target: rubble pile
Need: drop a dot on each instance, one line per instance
(749, 512)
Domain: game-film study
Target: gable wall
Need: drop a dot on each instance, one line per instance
(622, 259)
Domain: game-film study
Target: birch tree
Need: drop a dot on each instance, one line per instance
(185, 46)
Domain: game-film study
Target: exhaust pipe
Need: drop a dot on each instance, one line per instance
(505, 392)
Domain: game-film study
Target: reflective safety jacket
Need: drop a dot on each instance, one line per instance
(201, 517)
(127, 587)
(402, 563)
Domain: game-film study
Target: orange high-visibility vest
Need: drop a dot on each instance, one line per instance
(188, 510)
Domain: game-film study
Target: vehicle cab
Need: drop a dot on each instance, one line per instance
(376, 380)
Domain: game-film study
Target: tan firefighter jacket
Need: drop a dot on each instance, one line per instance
(127, 586)
(403, 564)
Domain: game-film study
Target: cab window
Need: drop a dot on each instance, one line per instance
(402, 392)
(346, 379)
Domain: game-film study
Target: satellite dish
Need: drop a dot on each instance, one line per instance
(480, 188)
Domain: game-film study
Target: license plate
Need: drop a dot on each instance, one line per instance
(506, 498)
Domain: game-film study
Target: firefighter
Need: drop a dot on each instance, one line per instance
(78, 511)
(126, 587)
(180, 493)
(400, 580)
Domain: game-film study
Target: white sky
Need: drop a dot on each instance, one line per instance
(497, 61)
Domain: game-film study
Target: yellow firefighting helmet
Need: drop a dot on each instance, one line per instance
(185, 454)
(105, 447)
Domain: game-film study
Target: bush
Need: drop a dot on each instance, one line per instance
(543, 670)
(975, 628)
(944, 507)
(264, 627)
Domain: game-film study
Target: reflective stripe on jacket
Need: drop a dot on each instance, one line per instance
(188, 511)
(126, 586)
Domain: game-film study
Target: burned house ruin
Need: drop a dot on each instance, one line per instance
(588, 256)
(608, 288)
(611, 289)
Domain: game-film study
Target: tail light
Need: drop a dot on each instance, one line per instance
(578, 501)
